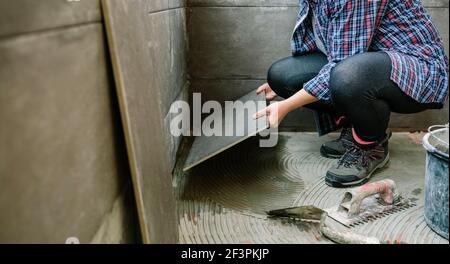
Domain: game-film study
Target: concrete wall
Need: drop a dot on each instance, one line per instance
(63, 165)
(147, 46)
(169, 44)
(233, 43)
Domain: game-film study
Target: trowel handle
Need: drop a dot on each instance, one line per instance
(385, 188)
(347, 237)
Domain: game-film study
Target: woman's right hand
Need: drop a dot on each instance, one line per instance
(270, 94)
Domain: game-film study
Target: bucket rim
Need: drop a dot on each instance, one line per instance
(430, 148)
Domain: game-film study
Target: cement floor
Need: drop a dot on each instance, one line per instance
(224, 200)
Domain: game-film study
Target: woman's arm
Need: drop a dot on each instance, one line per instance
(300, 99)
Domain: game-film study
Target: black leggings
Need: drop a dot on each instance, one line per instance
(361, 89)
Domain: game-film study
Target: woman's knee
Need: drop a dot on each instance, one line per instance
(275, 77)
(360, 75)
(348, 80)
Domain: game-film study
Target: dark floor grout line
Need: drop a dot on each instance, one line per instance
(49, 30)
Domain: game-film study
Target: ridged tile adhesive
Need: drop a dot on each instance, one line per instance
(224, 200)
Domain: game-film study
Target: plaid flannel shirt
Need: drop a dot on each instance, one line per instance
(401, 28)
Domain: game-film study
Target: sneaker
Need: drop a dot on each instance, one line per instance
(357, 165)
(336, 148)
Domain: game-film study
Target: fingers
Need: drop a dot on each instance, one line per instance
(262, 88)
(261, 113)
(270, 96)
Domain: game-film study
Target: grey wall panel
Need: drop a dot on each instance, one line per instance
(427, 3)
(177, 70)
(435, 3)
(61, 147)
(301, 119)
(138, 56)
(156, 5)
(238, 43)
(440, 18)
(422, 120)
(245, 3)
(177, 3)
(243, 42)
(165, 38)
(223, 90)
(173, 142)
(23, 16)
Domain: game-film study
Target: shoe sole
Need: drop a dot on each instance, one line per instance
(361, 181)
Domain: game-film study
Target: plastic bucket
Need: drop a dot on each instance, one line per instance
(436, 179)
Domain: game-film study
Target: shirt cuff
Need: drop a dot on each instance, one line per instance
(318, 90)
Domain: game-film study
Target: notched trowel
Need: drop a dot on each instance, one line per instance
(311, 214)
(368, 203)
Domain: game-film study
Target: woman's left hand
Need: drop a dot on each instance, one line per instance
(270, 94)
(275, 113)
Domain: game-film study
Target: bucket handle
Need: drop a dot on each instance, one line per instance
(433, 128)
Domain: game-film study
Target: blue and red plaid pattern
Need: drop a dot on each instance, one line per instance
(401, 28)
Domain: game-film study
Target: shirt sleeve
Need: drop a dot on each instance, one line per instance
(303, 40)
(349, 32)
